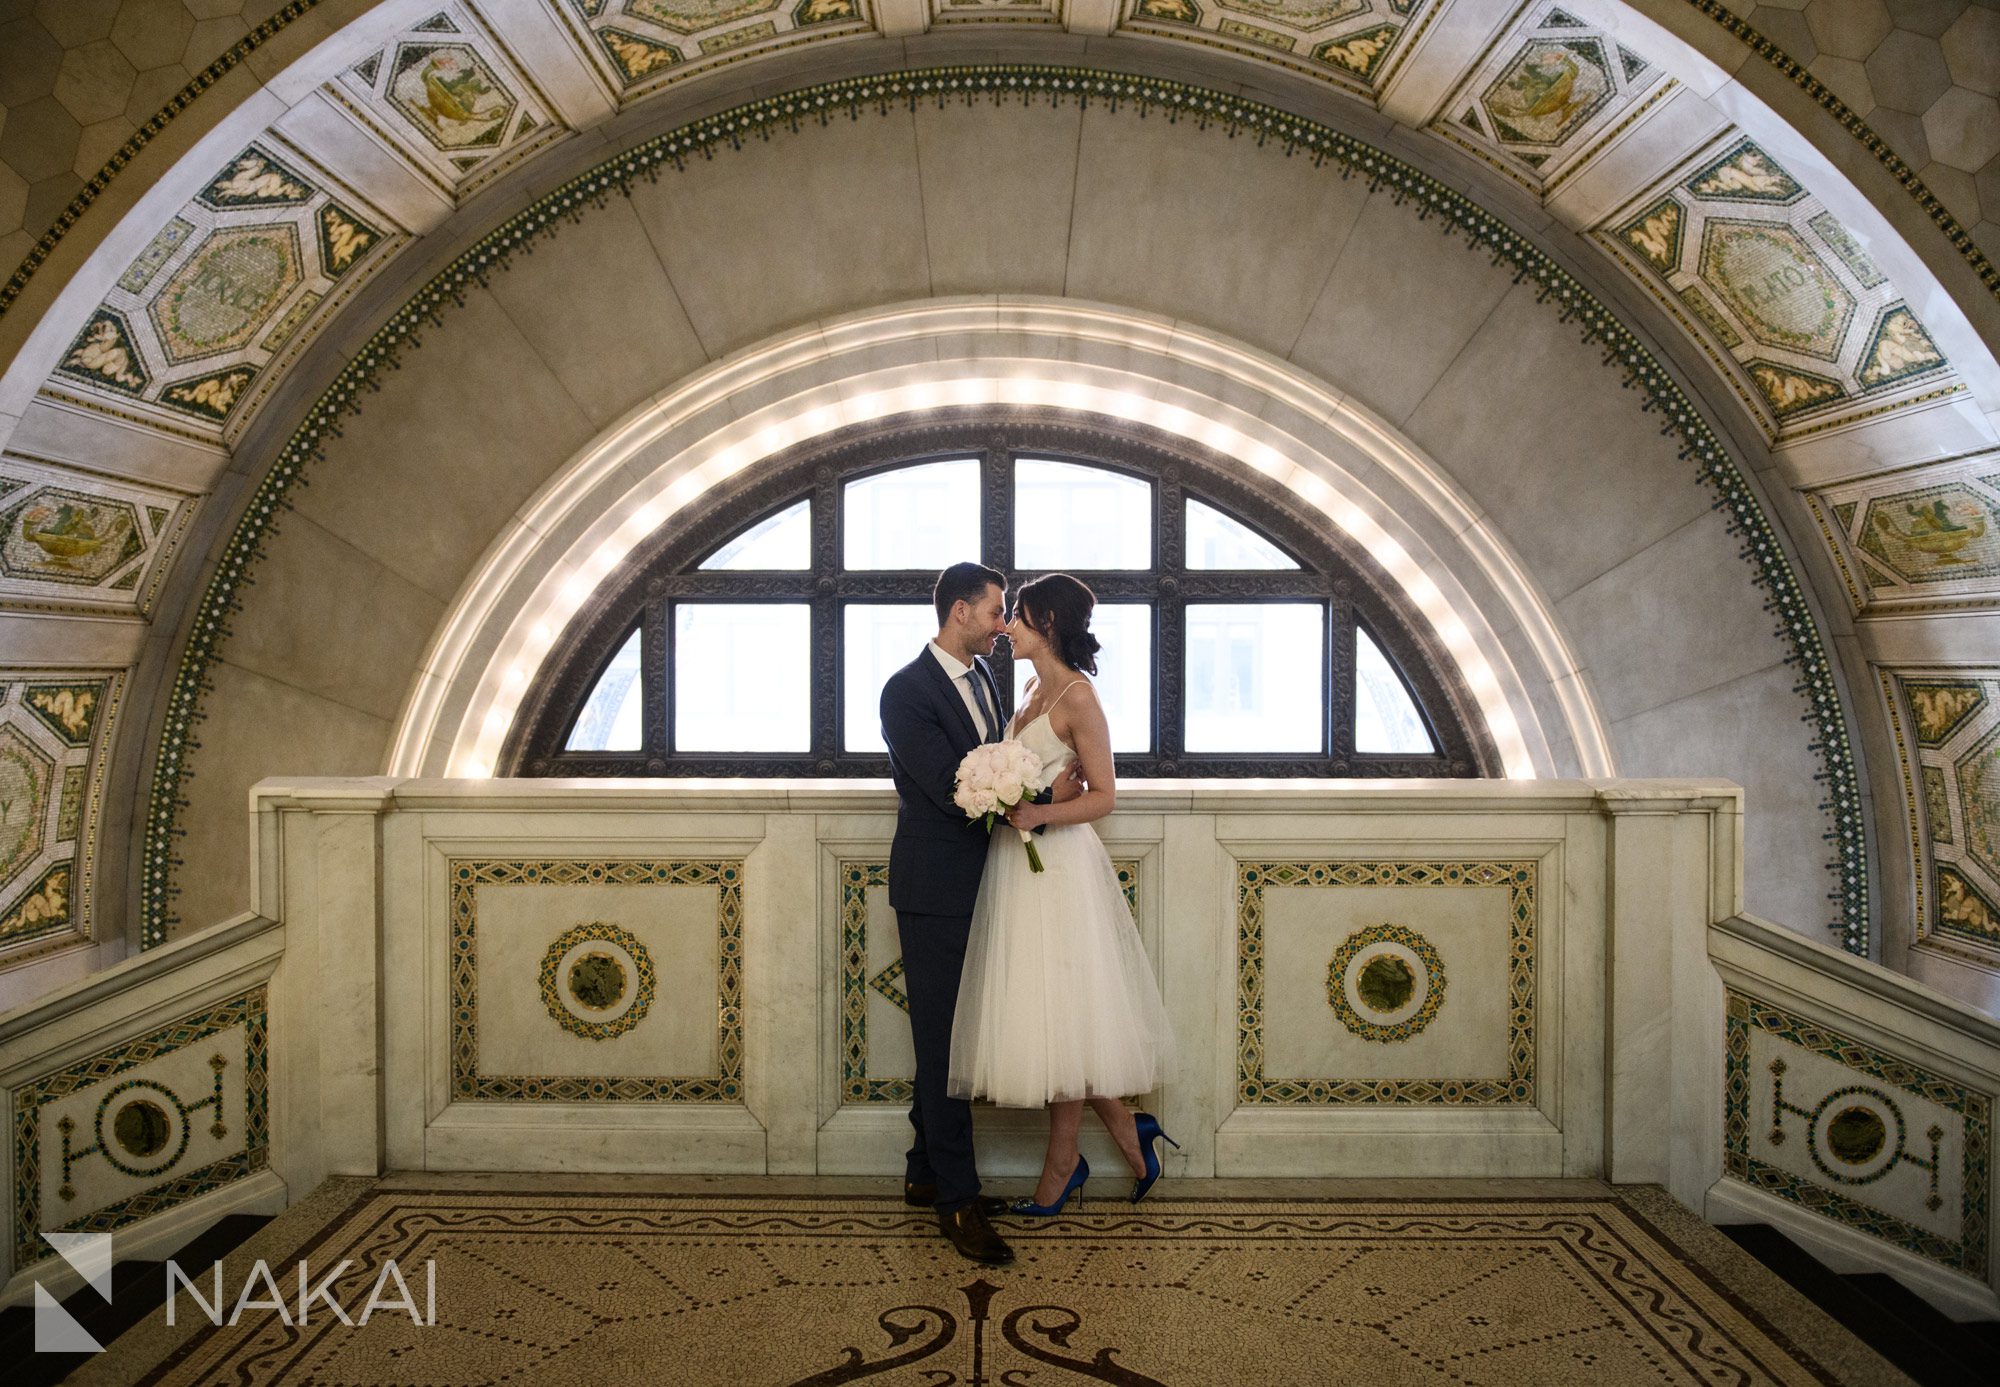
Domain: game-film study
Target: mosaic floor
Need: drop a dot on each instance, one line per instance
(535, 1283)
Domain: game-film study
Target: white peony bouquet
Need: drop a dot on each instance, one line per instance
(993, 778)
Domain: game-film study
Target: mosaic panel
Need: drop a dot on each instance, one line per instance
(1947, 728)
(55, 731)
(1790, 307)
(858, 1083)
(639, 46)
(75, 542)
(995, 12)
(1904, 544)
(450, 97)
(1547, 96)
(1357, 44)
(142, 1126)
(203, 322)
(469, 1083)
(1516, 879)
(1856, 1135)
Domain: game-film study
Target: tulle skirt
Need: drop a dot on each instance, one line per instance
(1057, 999)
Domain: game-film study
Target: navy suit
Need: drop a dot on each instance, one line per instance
(934, 868)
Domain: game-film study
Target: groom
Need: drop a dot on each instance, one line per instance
(934, 710)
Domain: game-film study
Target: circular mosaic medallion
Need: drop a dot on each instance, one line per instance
(1385, 983)
(142, 1127)
(1856, 1133)
(597, 980)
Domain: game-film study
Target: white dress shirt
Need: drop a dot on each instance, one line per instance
(956, 671)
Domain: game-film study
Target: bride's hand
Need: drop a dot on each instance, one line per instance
(1027, 816)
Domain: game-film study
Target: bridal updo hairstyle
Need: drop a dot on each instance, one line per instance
(1058, 607)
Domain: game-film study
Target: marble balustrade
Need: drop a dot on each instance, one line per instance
(1485, 979)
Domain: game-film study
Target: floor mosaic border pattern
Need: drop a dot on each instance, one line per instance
(1253, 1086)
(539, 1285)
(249, 1010)
(856, 877)
(468, 1084)
(1968, 1253)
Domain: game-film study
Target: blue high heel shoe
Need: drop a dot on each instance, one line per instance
(1149, 1130)
(1028, 1208)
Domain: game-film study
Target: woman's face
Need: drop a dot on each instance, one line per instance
(1024, 637)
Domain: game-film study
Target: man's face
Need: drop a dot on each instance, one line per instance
(985, 620)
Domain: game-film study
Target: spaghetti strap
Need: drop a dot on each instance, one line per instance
(1064, 694)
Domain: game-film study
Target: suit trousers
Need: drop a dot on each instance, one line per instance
(933, 958)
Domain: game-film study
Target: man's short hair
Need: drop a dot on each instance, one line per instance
(963, 582)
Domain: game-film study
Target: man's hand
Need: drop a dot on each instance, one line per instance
(1069, 784)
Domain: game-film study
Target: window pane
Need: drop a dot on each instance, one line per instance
(877, 641)
(915, 517)
(1216, 541)
(1066, 516)
(1385, 717)
(1124, 675)
(783, 540)
(611, 716)
(1255, 676)
(742, 677)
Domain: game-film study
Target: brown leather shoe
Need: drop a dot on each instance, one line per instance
(969, 1232)
(924, 1196)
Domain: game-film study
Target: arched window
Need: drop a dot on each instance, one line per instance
(1241, 637)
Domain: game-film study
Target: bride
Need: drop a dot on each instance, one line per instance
(1057, 1003)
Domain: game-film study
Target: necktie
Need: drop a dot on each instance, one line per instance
(990, 732)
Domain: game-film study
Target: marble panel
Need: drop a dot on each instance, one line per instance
(729, 229)
(308, 630)
(435, 461)
(1280, 222)
(606, 287)
(558, 966)
(1312, 943)
(1731, 731)
(254, 734)
(1859, 1136)
(1677, 617)
(997, 203)
(1576, 481)
(1400, 303)
(143, 1126)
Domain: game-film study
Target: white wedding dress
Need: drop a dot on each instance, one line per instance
(1057, 999)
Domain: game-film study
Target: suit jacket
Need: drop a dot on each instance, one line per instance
(938, 853)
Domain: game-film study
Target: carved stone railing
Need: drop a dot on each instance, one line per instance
(1493, 979)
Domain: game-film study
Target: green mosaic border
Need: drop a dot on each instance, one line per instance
(1253, 1087)
(248, 1009)
(1969, 1252)
(467, 875)
(1174, 102)
(856, 1086)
